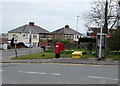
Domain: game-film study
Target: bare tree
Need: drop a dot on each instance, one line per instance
(114, 40)
(109, 13)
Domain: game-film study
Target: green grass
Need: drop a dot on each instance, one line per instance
(88, 56)
(114, 57)
(50, 54)
(42, 55)
(36, 56)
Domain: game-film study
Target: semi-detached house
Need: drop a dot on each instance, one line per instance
(38, 34)
(66, 33)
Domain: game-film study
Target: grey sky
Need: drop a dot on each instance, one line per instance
(49, 14)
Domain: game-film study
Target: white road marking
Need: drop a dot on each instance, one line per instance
(96, 77)
(31, 72)
(57, 74)
(1, 70)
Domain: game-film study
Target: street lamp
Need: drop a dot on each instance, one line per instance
(15, 41)
(30, 40)
(77, 23)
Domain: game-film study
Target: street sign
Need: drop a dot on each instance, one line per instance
(108, 36)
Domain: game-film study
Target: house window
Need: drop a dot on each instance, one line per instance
(66, 36)
(34, 44)
(49, 36)
(77, 36)
(71, 36)
(43, 36)
(34, 35)
(25, 35)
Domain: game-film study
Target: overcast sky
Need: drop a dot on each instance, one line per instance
(49, 14)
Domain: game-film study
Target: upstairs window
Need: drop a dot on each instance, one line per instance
(43, 36)
(34, 35)
(25, 35)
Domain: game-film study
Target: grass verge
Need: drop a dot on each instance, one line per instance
(42, 55)
(50, 54)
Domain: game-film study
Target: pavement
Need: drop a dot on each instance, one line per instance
(91, 61)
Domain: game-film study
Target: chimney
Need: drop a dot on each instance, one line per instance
(31, 23)
(66, 26)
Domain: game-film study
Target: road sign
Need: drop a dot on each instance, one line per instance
(108, 36)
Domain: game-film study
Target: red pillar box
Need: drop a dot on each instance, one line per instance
(58, 47)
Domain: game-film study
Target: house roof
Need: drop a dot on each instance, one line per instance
(3, 35)
(65, 30)
(26, 28)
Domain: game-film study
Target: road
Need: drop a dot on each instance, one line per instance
(7, 54)
(47, 73)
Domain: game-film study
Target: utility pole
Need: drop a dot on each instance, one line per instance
(101, 29)
(118, 23)
(106, 18)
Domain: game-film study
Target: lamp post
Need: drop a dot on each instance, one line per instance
(77, 23)
(15, 41)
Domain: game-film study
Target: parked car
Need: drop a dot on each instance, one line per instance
(28, 45)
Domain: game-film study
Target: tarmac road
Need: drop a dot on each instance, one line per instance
(7, 54)
(47, 73)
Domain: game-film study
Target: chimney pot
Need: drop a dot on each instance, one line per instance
(31, 23)
(66, 26)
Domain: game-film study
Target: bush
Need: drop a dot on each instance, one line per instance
(20, 44)
(84, 52)
(50, 41)
(115, 52)
(67, 52)
(114, 40)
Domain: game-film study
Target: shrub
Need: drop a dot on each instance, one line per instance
(20, 44)
(115, 52)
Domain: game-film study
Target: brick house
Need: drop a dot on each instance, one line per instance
(66, 33)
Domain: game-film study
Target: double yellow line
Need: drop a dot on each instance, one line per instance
(73, 64)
